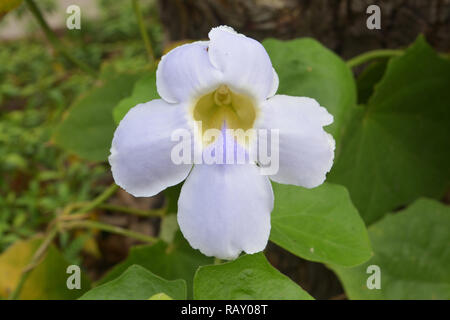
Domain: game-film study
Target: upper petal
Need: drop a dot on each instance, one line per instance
(244, 62)
(141, 148)
(306, 151)
(186, 72)
(225, 209)
(193, 69)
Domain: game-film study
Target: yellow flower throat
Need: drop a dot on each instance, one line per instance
(223, 106)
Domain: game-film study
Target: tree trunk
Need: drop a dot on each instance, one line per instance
(340, 25)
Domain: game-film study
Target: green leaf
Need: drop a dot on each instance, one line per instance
(397, 147)
(137, 283)
(367, 80)
(171, 195)
(170, 261)
(47, 281)
(319, 224)
(88, 128)
(168, 227)
(144, 90)
(306, 68)
(412, 250)
(248, 277)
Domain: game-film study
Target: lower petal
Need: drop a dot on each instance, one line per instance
(225, 209)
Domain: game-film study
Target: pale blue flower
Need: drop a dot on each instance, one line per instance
(223, 209)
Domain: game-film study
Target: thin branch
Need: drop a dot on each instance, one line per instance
(108, 228)
(100, 199)
(142, 213)
(143, 30)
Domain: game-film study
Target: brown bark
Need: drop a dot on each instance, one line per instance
(340, 25)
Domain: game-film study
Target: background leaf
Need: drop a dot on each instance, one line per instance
(137, 283)
(412, 250)
(144, 90)
(172, 194)
(307, 68)
(88, 127)
(248, 277)
(397, 148)
(319, 224)
(47, 281)
(368, 78)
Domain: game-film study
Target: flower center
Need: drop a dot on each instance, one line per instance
(225, 107)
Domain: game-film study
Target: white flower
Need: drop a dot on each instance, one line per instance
(223, 209)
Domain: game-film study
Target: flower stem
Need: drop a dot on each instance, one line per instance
(371, 55)
(143, 30)
(109, 228)
(57, 45)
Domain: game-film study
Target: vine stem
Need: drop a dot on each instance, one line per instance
(100, 199)
(109, 228)
(142, 213)
(57, 45)
(110, 207)
(143, 30)
(371, 55)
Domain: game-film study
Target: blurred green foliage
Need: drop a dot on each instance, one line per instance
(37, 86)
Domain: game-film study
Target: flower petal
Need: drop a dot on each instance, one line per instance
(275, 84)
(224, 209)
(186, 72)
(243, 61)
(193, 69)
(306, 151)
(141, 148)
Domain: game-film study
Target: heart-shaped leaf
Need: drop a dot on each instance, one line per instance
(170, 261)
(411, 256)
(248, 277)
(397, 147)
(137, 283)
(319, 224)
